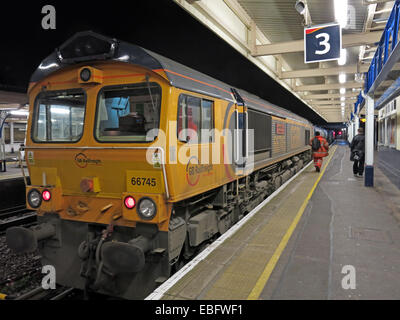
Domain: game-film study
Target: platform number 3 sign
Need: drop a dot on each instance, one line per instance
(322, 43)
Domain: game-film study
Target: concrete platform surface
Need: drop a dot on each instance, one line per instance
(13, 172)
(345, 226)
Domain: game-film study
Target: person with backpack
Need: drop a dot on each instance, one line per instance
(357, 155)
(319, 147)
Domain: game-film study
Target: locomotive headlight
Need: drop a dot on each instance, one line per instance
(85, 74)
(147, 209)
(34, 198)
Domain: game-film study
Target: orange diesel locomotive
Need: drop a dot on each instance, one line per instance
(121, 146)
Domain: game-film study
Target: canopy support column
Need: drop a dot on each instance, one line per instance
(369, 142)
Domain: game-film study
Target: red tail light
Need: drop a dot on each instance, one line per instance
(130, 202)
(46, 195)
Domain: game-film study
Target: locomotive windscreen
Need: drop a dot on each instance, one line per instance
(59, 116)
(128, 113)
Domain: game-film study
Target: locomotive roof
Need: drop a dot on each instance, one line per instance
(89, 46)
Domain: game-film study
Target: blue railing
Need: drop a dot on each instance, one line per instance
(387, 44)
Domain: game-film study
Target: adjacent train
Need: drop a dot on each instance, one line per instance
(136, 162)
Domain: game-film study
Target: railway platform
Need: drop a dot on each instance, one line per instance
(323, 236)
(13, 172)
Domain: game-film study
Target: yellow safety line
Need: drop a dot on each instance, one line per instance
(263, 279)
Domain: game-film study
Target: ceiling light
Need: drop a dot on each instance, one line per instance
(341, 12)
(342, 90)
(342, 104)
(342, 78)
(19, 112)
(342, 98)
(343, 57)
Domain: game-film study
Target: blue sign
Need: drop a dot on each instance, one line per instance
(322, 43)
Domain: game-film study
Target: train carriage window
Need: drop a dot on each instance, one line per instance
(195, 120)
(129, 113)
(59, 116)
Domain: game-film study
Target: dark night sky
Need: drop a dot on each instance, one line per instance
(158, 25)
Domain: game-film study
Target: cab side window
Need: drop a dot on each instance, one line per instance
(307, 137)
(195, 119)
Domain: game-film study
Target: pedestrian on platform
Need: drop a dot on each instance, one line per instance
(320, 148)
(357, 155)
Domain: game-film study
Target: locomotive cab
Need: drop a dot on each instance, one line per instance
(96, 175)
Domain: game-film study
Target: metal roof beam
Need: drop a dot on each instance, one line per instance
(8, 97)
(331, 102)
(329, 86)
(330, 95)
(332, 108)
(333, 86)
(348, 40)
(306, 73)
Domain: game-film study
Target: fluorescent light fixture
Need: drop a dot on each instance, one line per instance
(342, 78)
(342, 90)
(342, 104)
(342, 98)
(19, 112)
(341, 12)
(343, 57)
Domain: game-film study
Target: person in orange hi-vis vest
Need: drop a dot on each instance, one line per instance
(320, 148)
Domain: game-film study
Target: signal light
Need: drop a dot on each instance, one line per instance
(46, 195)
(130, 202)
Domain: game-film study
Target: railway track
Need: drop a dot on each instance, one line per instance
(60, 293)
(16, 216)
